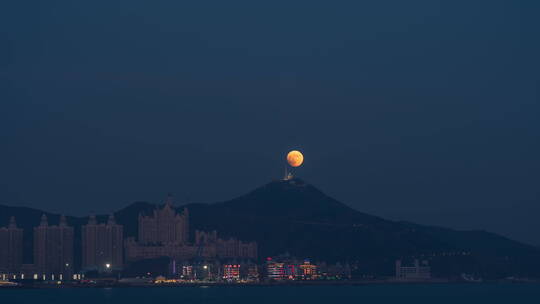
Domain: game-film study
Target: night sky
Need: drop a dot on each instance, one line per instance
(426, 111)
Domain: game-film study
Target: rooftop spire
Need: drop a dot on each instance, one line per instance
(63, 221)
(288, 175)
(169, 199)
(12, 223)
(44, 221)
(111, 221)
(92, 220)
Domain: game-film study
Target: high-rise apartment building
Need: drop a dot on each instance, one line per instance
(11, 248)
(53, 250)
(102, 245)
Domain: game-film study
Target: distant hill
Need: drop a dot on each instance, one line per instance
(295, 217)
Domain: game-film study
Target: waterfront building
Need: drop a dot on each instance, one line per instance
(308, 270)
(11, 248)
(417, 271)
(334, 271)
(231, 272)
(195, 269)
(252, 272)
(102, 245)
(291, 270)
(275, 270)
(187, 272)
(28, 271)
(53, 250)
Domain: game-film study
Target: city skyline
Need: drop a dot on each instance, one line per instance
(104, 248)
(296, 233)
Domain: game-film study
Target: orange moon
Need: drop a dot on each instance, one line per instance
(295, 158)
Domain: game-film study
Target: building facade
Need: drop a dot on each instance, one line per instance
(231, 272)
(417, 271)
(53, 250)
(164, 226)
(102, 245)
(165, 233)
(136, 251)
(231, 248)
(11, 248)
(275, 270)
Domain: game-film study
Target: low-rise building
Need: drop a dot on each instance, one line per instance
(231, 272)
(417, 271)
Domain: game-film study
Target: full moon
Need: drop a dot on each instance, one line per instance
(295, 158)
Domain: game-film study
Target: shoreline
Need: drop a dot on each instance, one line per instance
(263, 284)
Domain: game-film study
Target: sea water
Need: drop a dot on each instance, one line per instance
(395, 294)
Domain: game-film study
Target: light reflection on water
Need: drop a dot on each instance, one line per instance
(417, 294)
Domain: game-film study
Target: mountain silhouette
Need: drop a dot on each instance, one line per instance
(296, 218)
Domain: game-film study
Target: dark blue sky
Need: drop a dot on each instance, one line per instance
(426, 111)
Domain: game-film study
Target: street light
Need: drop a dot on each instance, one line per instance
(108, 266)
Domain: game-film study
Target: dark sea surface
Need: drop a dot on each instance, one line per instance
(433, 293)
